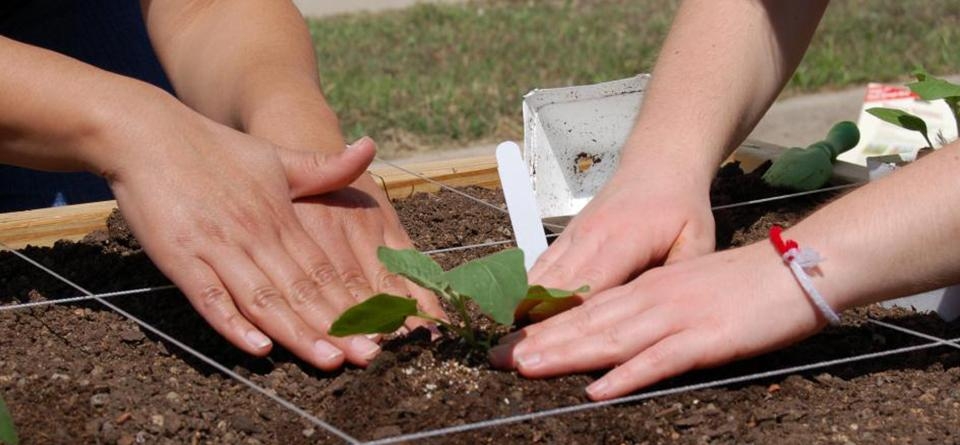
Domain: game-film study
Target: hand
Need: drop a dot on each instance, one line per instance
(693, 314)
(212, 208)
(350, 224)
(634, 222)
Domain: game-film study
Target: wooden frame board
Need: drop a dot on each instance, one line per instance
(44, 227)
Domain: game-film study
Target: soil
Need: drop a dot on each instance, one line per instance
(81, 373)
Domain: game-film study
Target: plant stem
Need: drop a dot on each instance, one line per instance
(459, 302)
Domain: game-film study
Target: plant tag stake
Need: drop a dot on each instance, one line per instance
(517, 191)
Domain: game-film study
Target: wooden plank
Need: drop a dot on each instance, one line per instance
(477, 171)
(43, 227)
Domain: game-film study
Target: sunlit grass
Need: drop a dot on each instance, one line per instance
(453, 75)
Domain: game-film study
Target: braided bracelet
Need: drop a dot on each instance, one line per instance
(799, 260)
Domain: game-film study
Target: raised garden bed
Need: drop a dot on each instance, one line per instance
(82, 373)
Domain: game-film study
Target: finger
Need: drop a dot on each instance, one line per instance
(549, 257)
(669, 357)
(316, 292)
(428, 302)
(603, 346)
(262, 302)
(210, 298)
(594, 260)
(694, 240)
(350, 267)
(313, 173)
(584, 319)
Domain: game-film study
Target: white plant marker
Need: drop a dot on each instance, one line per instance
(518, 192)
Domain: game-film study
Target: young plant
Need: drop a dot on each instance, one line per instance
(8, 434)
(497, 284)
(928, 88)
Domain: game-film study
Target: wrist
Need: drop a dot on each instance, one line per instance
(294, 120)
(128, 124)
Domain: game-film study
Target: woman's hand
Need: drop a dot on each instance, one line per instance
(212, 208)
(692, 314)
(637, 221)
(351, 223)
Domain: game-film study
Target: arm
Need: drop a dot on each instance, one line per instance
(720, 68)
(251, 65)
(196, 206)
(891, 238)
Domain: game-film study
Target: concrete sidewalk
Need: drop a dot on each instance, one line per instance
(796, 121)
(790, 122)
(321, 8)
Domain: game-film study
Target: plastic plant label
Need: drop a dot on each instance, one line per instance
(878, 138)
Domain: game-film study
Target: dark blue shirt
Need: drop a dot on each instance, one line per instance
(109, 34)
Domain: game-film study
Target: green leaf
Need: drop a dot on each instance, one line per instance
(496, 283)
(900, 118)
(8, 434)
(932, 88)
(414, 266)
(380, 314)
(540, 293)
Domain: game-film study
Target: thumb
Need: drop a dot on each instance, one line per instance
(693, 241)
(312, 173)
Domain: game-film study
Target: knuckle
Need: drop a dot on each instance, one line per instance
(593, 276)
(323, 274)
(655, 357)
(213, 298)
(302, 292)
(354, 280)
(612, 341)
(266, 297)
(387, 281)
(583, 323)
(210, 230)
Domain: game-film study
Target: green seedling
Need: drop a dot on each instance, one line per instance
(810, 168)
(929, 88)
(497, 284)
(8, 434)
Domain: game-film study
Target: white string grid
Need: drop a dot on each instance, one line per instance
(935, 342)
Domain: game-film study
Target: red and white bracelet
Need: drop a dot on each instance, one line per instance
(800, 260)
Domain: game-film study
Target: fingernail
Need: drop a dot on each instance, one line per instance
(257, 339)
(528, 362)
(499, 356)
(358, 142)
(434, 331)
(365, 348)
(326, 352)
(510, 338)
(597, 389)
(373, 337)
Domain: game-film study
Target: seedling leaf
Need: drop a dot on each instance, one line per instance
(902, 119)
(414, 266)
(496, 283)
(8, 434)
(932, 88)
(539, 293)
(380, 314)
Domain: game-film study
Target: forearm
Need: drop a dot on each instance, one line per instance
(719, 70)
(891, 238)
(57, 113)
(247, 64)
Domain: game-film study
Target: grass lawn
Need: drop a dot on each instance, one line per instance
(453, 75)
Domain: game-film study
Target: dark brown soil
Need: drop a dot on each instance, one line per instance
(81, 373)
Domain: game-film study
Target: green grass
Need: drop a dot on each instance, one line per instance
(453, 75)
